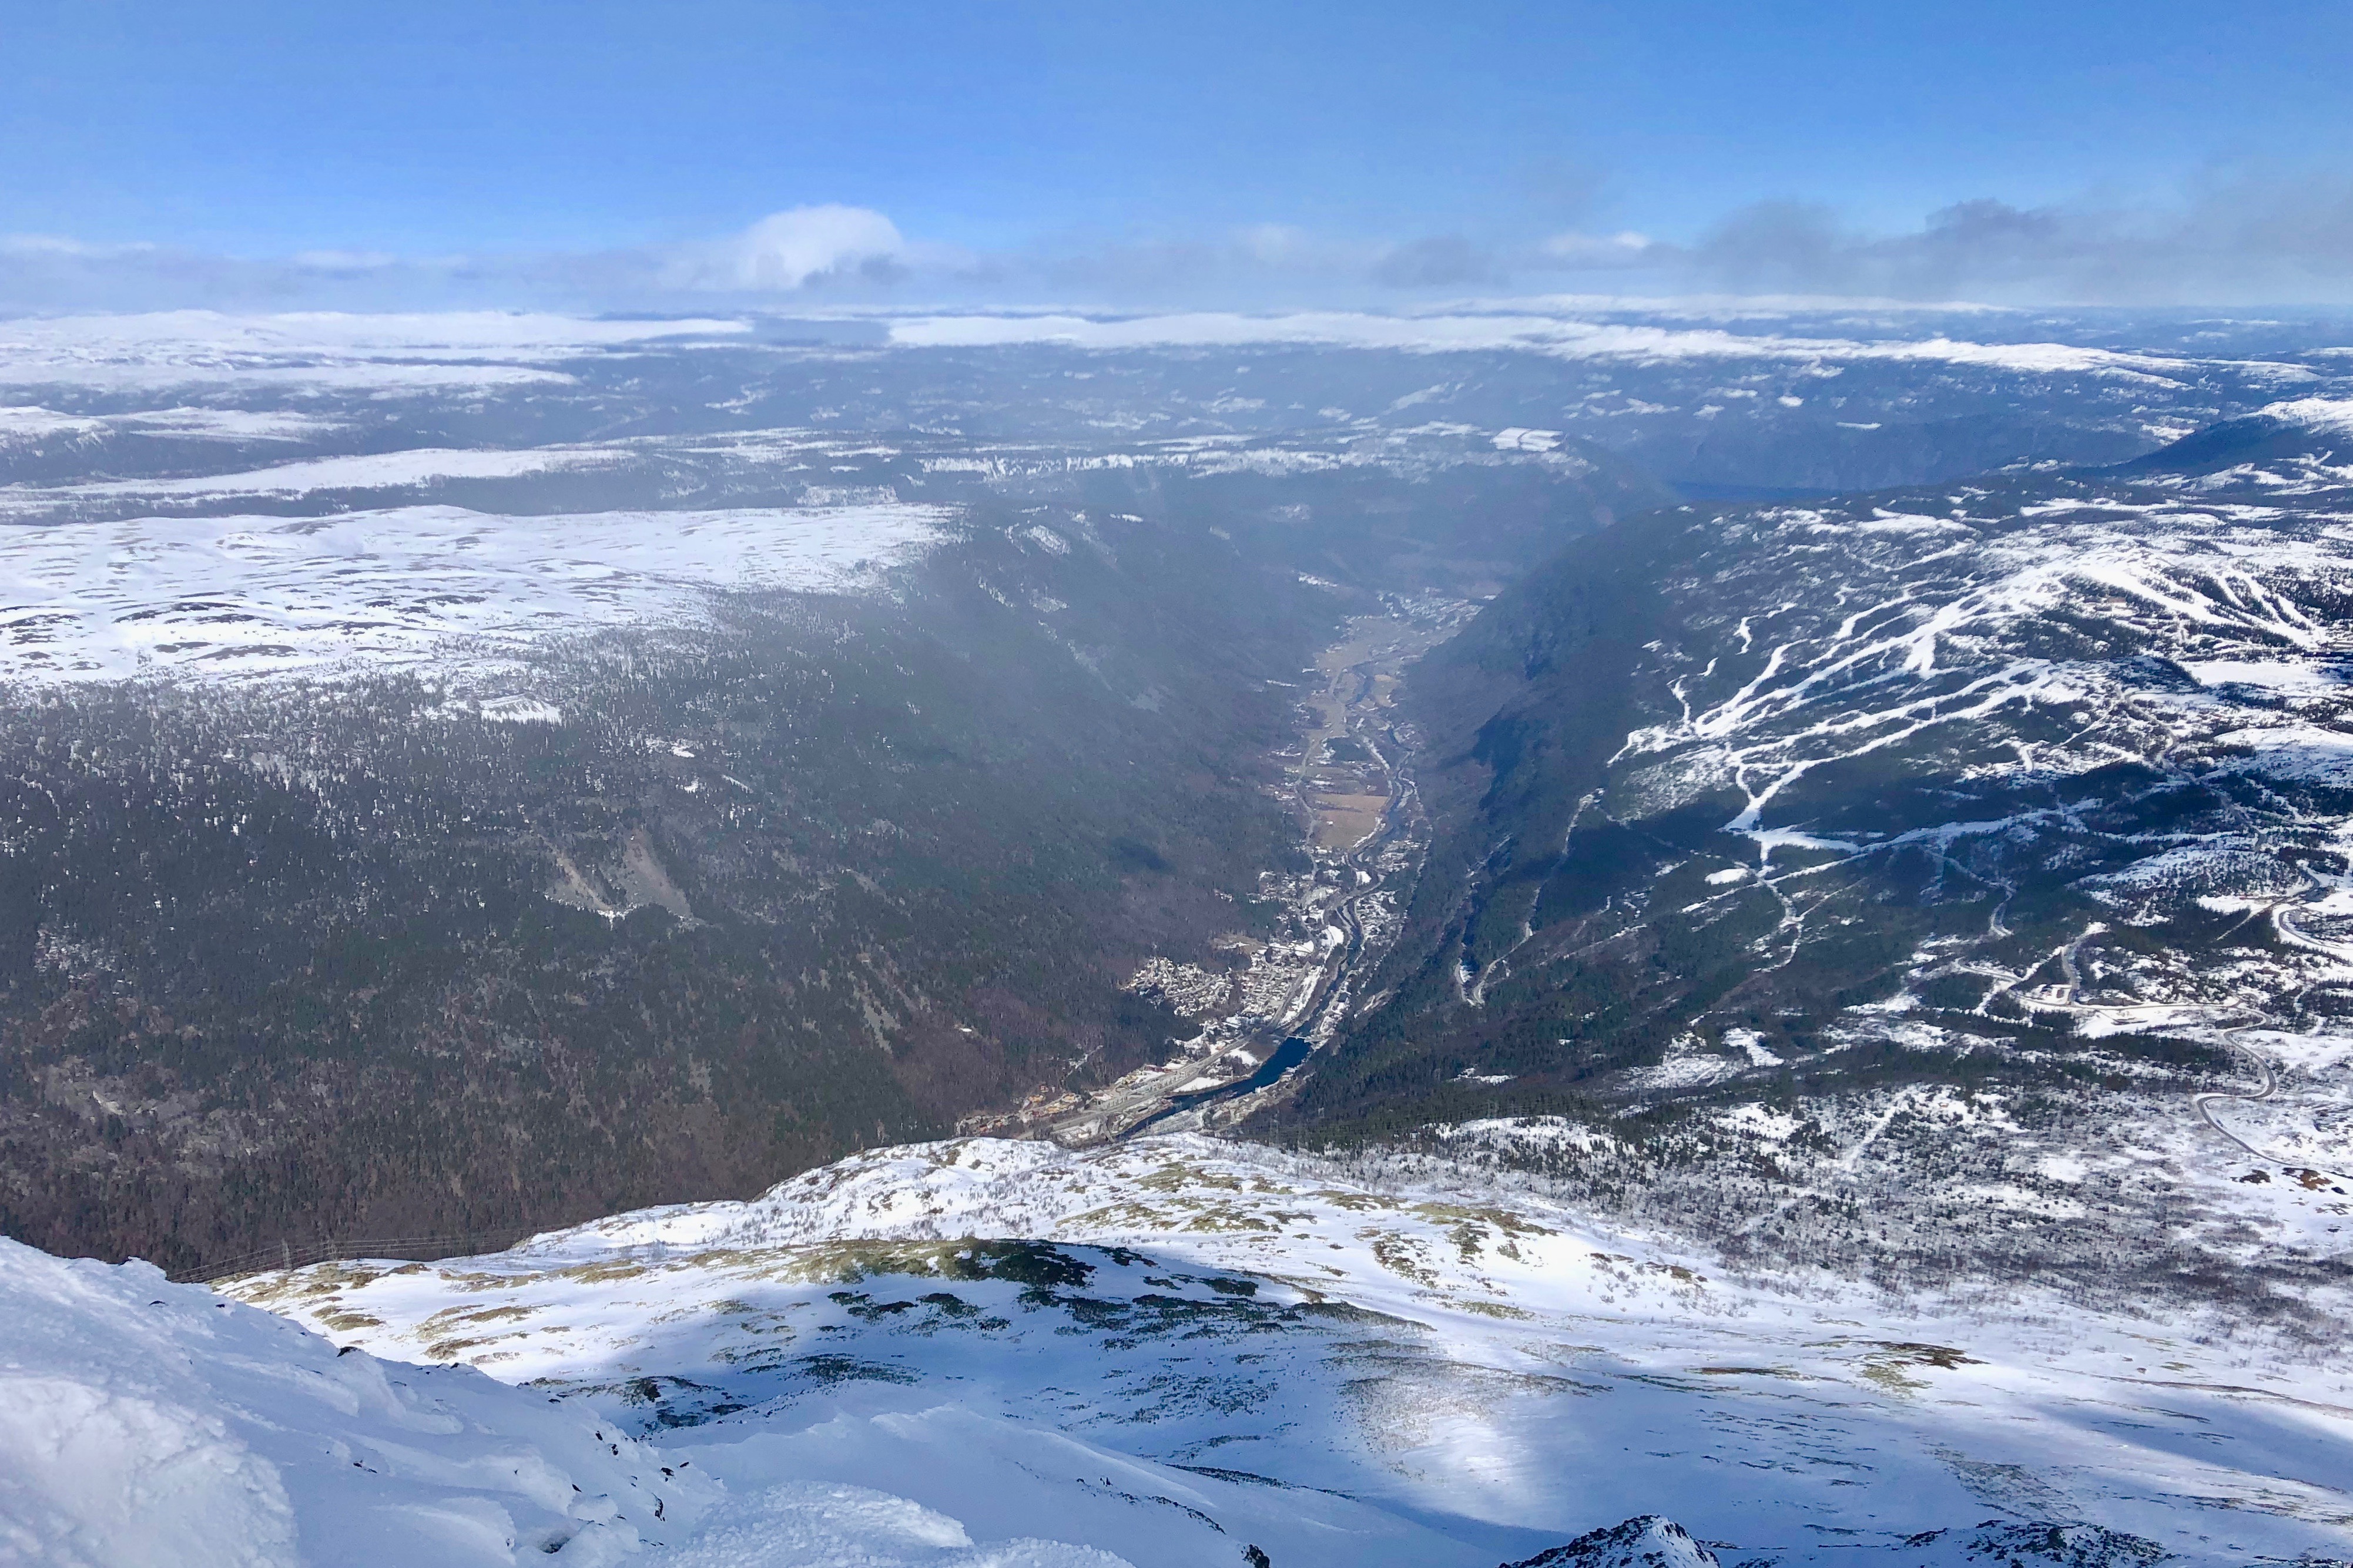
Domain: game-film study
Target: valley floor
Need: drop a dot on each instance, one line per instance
(1281, 997)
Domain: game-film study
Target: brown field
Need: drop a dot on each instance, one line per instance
(1359, 678)
(1343, 820)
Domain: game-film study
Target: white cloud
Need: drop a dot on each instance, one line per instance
(1437, 261)
(60, 245)
(787, 250)
(347, 260)
(1624, 248)
(2247, 237)
(1277, 243)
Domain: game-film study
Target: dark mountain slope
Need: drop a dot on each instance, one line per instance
(1919, 783)
(2257, 439)
(327, 961)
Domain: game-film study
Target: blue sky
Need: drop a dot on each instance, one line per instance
(1052, 148)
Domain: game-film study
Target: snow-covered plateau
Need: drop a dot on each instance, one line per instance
(318, 350)
(241, 596)
(143, 458)
(1165, 1352)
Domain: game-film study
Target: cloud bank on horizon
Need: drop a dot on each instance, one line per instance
(2255, 240)
(725, 154)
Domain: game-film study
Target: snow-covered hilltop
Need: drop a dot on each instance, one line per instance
(1176, 1348)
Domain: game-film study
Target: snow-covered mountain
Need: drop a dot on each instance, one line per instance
(1182, 1350)
(1777, 849)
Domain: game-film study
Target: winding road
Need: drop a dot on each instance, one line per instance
(2282, 916)
(2205, 1102)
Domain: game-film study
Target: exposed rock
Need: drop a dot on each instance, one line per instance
(1646, 1540)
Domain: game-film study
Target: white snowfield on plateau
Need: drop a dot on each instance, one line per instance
(1563, 336)
(374, 471)
(2329, 416)
(30, 424)
(315, 351)
(404, 587)
(403, 353)
(1210, 1347)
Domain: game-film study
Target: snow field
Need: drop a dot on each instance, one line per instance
(1477, 1379)
(1562, 334)
(310, 352)
(160, 1426)
(403, 587)
(375, 470)
(28, 424)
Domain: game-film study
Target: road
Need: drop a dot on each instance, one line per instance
(2205, 1103)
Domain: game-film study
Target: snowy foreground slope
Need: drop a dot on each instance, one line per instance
(1201, 1347)
(147, 1423)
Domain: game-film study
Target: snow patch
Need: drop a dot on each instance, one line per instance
(2332, 416)
(146, 1425)
(381, 471)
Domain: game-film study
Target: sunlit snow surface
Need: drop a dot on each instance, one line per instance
(365, 471)
(1229, 1346)
(157, 1426)
(145, 1425)
(411, 586)
(23, 424)
(316, 351)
